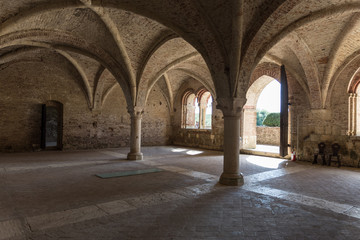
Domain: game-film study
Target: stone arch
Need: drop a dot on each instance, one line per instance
(305, 56)
(256, 88)
(354, 82)
(273, 70)
(312, 16)
(350, 73)
(200, 78)
(64, 42)
(82, 18)
(85, 82)
(354, 104)
(105, 84)
(207, 41)
(263, 40)
(182, 65)
(11, 56)
(146, 85)
(267, 69)
(188, 104)
(346, 70)
(167, 93)
(189, 99)
(152, 50)
(339, 43)
(99, 86)
(249, 135)
(111, 27)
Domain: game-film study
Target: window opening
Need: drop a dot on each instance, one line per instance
(197, 110)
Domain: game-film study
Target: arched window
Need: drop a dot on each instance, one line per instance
(354, 105)
(197, 110)
(189, 109)
(205, 110)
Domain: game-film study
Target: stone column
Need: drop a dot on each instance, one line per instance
(231, 109)
(135, 135)
(352, 114)
(184, 116)
(349, 115)
(354, 120)
(202, 117)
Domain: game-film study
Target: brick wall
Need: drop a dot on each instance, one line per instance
(25, 86)
(156, 126)
(328, 125)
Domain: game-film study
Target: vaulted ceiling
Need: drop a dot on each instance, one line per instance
(139, 43)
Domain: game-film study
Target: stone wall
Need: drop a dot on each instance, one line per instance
(328, 125)
(25, 86)
(268, 135)
(248, 127)
(309, 126)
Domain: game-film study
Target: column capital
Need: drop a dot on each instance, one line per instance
(350, 133)
(231, 107)
(352, 94)
(136, 111)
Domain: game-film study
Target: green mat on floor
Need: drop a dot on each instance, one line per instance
(128, 173)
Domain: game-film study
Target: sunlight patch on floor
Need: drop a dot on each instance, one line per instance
(188, 152)
(178, 150)
(265, 162)
(193, 152)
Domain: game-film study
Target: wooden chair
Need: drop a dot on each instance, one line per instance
(321, 152)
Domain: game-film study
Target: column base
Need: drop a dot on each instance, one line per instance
(135, 156)
(231, 179)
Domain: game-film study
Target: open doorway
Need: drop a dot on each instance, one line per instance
(51, 125)
(261, 117)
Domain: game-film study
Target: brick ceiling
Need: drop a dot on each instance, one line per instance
(216, 42)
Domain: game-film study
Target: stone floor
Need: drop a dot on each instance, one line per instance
(56, 195)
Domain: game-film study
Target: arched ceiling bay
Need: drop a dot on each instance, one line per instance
(120, 29)
(95, 37)
(175, 54)
(52, 59)
(315, 39)
(140, 41)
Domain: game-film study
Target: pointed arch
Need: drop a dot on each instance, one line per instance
(64, 42)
